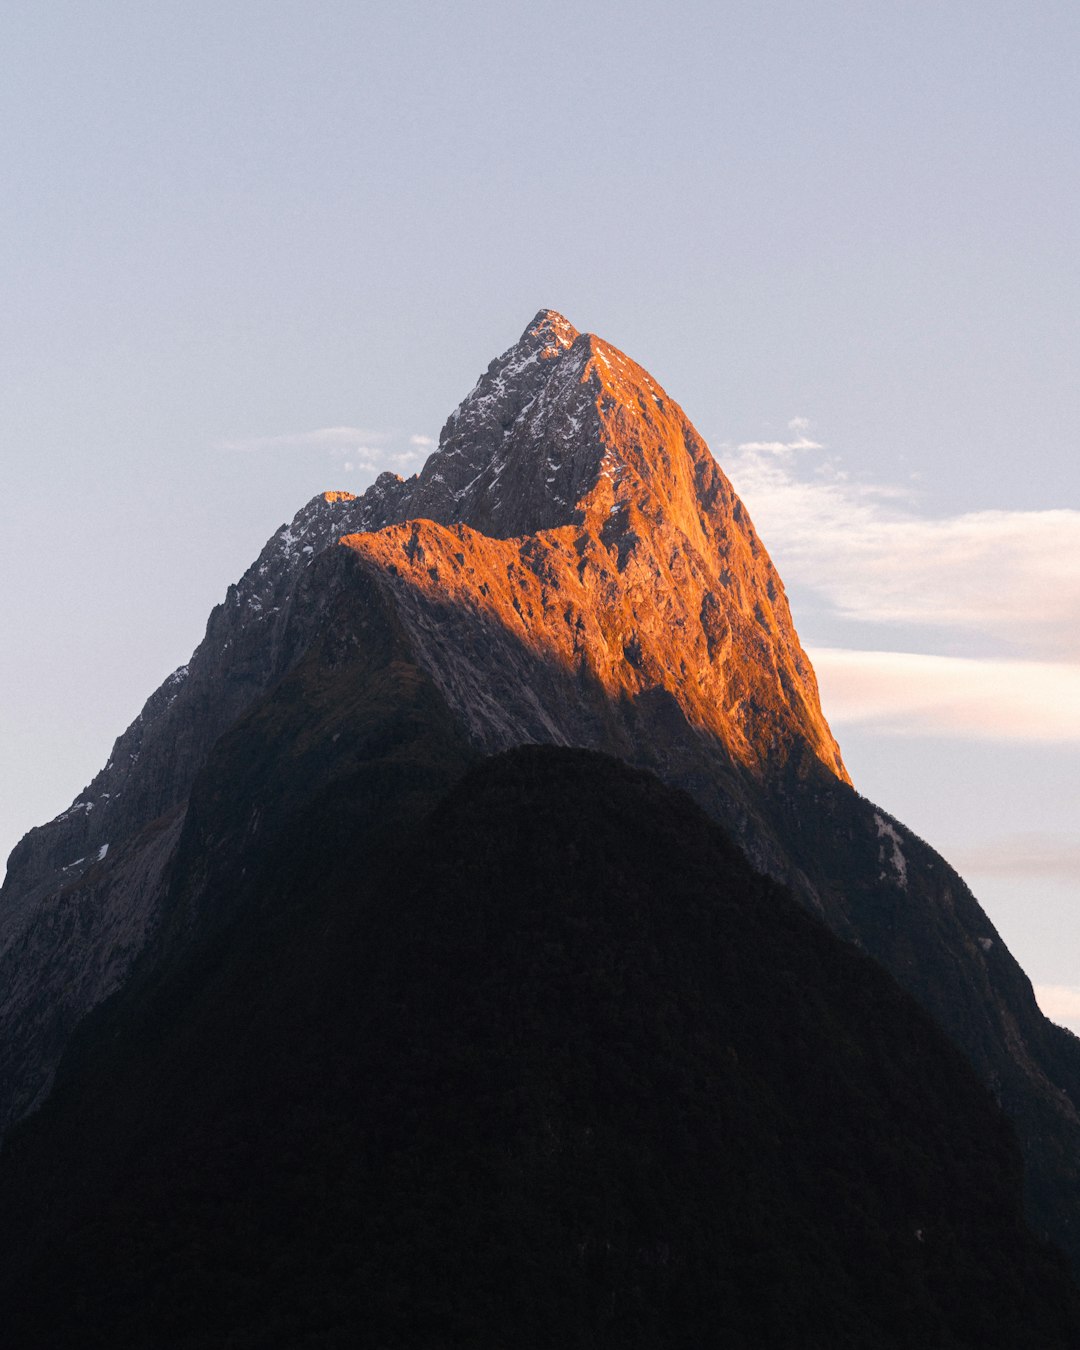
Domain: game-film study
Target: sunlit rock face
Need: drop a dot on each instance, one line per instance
(584, 514)
(570, 567)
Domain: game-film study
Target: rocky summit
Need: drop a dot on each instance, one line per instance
(571, 568)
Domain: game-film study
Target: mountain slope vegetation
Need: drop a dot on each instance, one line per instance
(539, 1060)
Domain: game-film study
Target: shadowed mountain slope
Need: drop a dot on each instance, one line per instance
(546, 1065)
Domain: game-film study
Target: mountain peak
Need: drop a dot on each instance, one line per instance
(572, 502)
(552, 331)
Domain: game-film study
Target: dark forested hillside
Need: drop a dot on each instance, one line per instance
(546, 1065)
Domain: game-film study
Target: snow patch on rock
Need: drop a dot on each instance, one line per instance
(888, 834)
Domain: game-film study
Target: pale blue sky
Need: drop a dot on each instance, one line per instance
(844, 232)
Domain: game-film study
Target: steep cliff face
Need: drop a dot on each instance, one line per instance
(587, 517)
(249, 641)
(570, 567)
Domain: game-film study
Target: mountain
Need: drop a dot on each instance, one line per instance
(570, 568)
(545, 1063)
(643, 617)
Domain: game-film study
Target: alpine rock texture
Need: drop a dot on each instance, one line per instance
(570, 567)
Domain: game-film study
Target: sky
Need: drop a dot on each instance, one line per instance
(256, 250)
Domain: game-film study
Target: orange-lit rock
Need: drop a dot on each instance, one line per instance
(630, 557)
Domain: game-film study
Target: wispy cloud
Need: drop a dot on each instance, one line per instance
(912, 694)
(1060, 1002)
(321, 438)
(799, 426)
(1010, 576)
(988, 605)
(1051, 856)
(356, 449)
(377, 459)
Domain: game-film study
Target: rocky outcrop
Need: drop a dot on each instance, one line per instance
(78, 949)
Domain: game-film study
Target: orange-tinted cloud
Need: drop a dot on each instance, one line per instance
(1061, 1003)
(905, 693)
(1049, 856)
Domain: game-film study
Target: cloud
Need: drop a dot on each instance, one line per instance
(1010, 576)
(799, 425)
(780, 447)
(905, 693)
(398, 460)
(324, 438)
(1050, 856)
(355, 448)
(1060, 1002)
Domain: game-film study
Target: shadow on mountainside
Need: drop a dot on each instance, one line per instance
(542, 1063)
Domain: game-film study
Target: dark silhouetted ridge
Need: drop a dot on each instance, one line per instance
(554, 1067)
